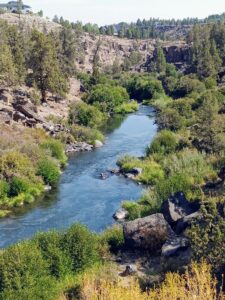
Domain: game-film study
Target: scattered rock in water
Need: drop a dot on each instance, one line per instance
(78, 147)
(148, 233)
(104, 176)
(121, 214)
(178, 207)
(129, 176)
(115, 171)
(136, 171)
(47, 188)
(98, 144)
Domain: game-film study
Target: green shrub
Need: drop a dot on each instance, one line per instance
(136, 210)
(13, 162)
(127, 163)
(208, 236)
(107, 97)
(85, 134)
(81, 246)
(192, 163)
(127, 108)
(113, 237)
(49, 171)
(18, 186)
(151, 173)
(51, 247)
(171, 119)
(4, 190)
(24, 274)
(164, 143)
(56, 149)
(86, 115)
(176, 183)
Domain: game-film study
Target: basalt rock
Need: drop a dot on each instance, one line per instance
(177, 207)
(148, 233)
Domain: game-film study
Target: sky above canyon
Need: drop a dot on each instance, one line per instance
(113, 11)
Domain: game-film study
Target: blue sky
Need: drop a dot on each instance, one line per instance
(113, 11)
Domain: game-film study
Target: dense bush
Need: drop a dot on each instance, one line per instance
(136, 210)
(107, 97)
(192, 163)
(127, 108)
(113, 237)
(85, 134)
(208, 235)
(81, 246)
(24, 274)
(176, 183)
(164, 143)
(86, 115)
(143, 87)
(57, 150)
(49, 171)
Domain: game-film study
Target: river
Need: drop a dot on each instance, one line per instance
(81, 195)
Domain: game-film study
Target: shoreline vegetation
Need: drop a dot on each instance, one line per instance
(186, 156)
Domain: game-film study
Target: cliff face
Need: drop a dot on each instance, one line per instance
(114, 50)
(111, 49)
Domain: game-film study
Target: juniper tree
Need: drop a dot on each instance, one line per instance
(45, 66)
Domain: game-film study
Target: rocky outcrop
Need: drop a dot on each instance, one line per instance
(177, 207)
(78, 147)
(148, 233)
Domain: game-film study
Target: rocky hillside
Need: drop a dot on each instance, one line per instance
(111, 49)
(30, 21)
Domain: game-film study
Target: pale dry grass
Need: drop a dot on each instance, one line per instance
(196, 284)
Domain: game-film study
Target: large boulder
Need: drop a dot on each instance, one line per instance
(148, 233)
(186, 221)
(174, 245)
(177, 207)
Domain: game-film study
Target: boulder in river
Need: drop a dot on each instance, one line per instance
(148, 233)
(98, 144)
(177, 207)
(137, 171)
(121, 214)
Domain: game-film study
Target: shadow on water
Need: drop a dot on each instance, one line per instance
(81, 196)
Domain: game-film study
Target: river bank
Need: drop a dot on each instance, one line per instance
(81, 195)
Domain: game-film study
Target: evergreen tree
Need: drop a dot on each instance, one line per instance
(67, 50)
(159, 64)
(7, 68)
(45, 66)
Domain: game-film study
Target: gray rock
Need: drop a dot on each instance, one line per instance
(148, 233)
(186, 221)
(130, 270)
(120, 214)
(177, 207)
(174, 245)
(78, 147)
(137, 171)
(98, 144)
(115, 171)
(129, 176)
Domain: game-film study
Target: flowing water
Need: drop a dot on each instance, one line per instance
(81, 195)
